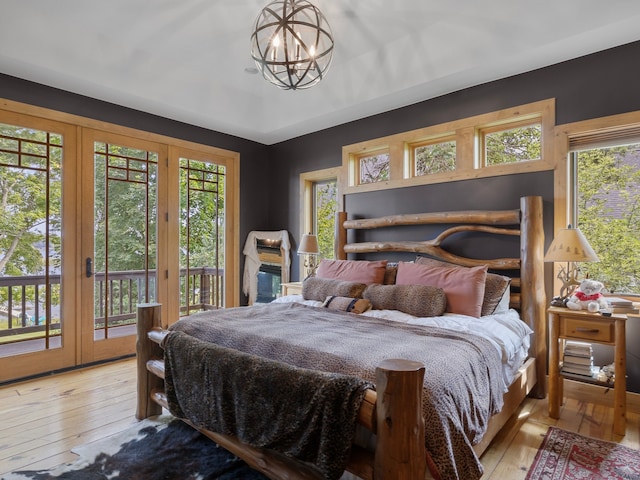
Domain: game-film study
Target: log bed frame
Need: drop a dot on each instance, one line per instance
(393, 413)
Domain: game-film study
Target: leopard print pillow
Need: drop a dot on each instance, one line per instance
(416, 300)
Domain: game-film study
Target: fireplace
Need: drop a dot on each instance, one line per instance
(266, 265)
(270, 271)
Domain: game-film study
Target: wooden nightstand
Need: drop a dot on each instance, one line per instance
(291, 288)
(566, 324)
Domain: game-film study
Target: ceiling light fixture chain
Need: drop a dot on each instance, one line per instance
(292, 44)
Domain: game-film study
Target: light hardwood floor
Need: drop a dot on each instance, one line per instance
(42, 419)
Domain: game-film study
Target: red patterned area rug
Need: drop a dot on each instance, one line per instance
(568, 456)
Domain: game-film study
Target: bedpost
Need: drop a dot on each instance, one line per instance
(341, 236)
(532, 292)
(148, 318)
(400, 452)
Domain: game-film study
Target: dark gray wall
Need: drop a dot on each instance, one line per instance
(593, 86)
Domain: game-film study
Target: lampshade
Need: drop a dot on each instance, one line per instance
(569, 245)
(308, 245)
(292, 44)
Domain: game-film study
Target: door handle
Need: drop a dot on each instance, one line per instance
(89, 267)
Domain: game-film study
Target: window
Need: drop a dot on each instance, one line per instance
(325, 196)
(512, 145)
(321, 200)
(433, 157)
(605, 205)
(373, 168)
(505, 142)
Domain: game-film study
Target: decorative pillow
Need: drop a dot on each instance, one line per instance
(464, 288)
(505, 302)
(347, 304)
(361, 271)
(495, 287)
(314, 288)
(416, 300)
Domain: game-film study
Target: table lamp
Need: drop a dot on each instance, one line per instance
(569, 246)
(309, 249)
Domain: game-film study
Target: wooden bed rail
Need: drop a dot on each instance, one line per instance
(393, 413)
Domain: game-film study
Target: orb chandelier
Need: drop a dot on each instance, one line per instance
(292, 44)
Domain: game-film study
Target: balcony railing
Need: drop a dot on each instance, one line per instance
(22, 299)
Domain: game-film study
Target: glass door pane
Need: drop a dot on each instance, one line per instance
(202, 233)
(125, 236)
(120, 241)
(31, 242)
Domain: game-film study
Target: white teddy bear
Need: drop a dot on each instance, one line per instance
(588, 297)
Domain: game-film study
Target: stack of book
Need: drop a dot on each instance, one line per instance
(578, 359)
(621, 305)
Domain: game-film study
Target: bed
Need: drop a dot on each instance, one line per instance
(391, 390)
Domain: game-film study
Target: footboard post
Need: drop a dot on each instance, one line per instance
(400, 451)
(148, 317)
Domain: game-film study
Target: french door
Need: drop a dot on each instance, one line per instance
(94, 222)
(121, 237)
(38, 265)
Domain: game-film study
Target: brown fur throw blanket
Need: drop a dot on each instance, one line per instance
(305, 414)
(463, 381)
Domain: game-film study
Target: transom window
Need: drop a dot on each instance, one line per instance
(433, 157)
(520, 143)
(373, 168)
(510, 141)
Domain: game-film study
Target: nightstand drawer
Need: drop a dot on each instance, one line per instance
(587, 330)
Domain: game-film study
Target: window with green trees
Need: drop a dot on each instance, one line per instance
(434, 158)
(325, 195)
(520, 144)
(30, 228)
(606, 205)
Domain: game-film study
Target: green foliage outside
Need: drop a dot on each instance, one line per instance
(513, 145)
(435, 158)
(202, 219)
(326, 203)
(24, 219)
(125, 232)
(609, 214)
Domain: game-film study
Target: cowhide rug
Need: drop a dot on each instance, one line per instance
(155, 449)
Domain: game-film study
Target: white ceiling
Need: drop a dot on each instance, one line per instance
(186, 59)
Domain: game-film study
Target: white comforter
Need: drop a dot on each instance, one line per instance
(506, 331)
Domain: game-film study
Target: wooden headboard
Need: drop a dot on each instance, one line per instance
(527, 284)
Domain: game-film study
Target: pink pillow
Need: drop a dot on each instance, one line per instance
(464, 288)
(361, 271)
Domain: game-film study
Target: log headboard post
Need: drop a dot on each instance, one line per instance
(532, 291)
